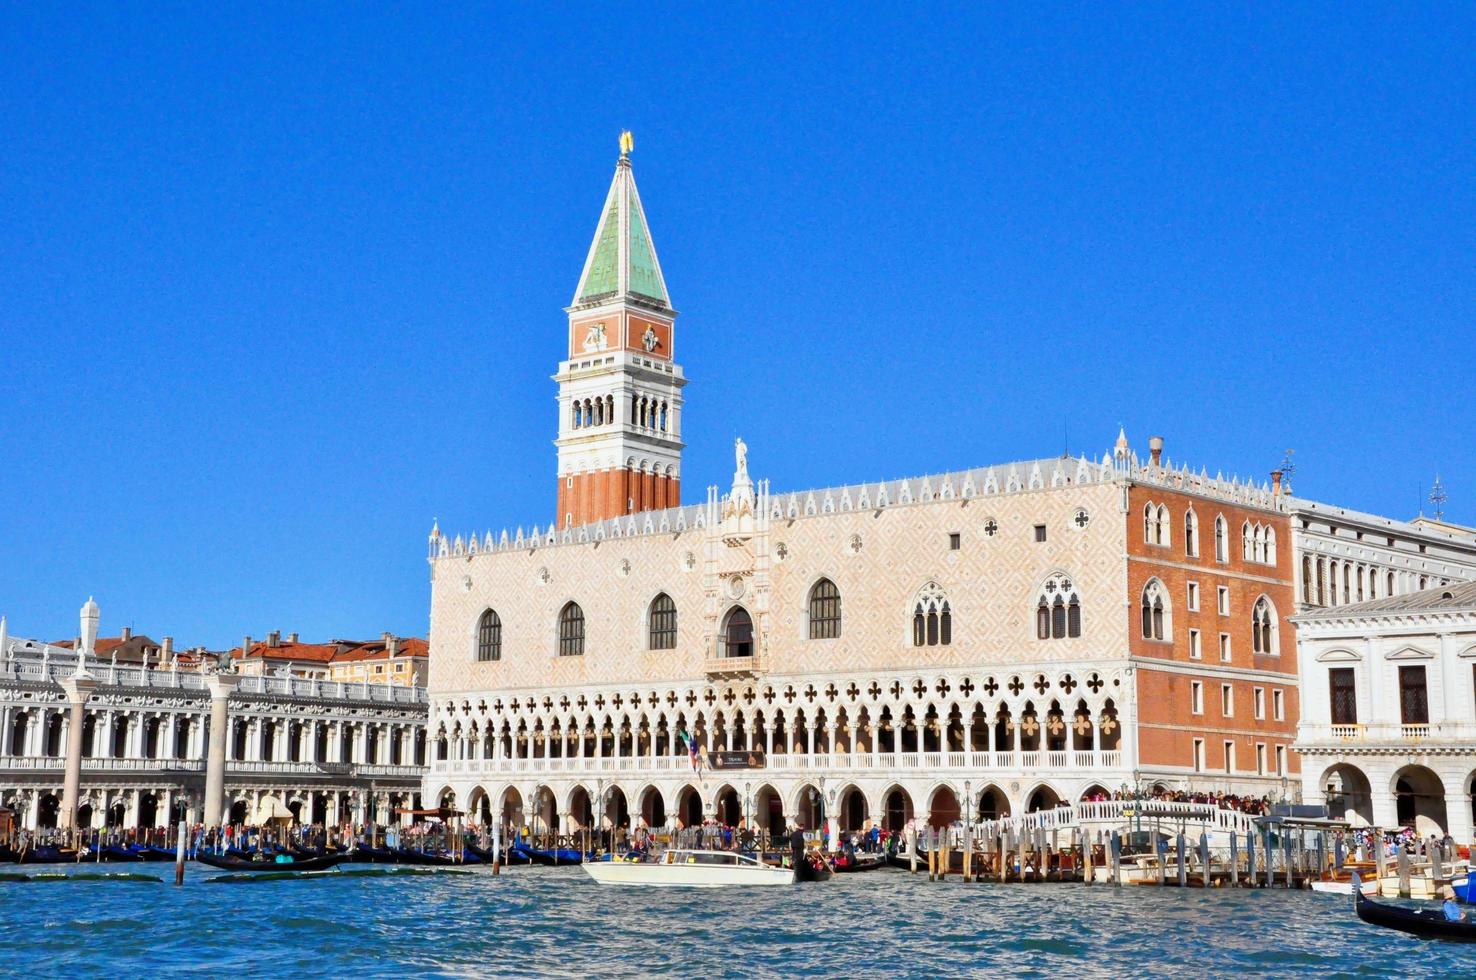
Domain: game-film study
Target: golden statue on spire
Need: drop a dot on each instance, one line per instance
(627, 142)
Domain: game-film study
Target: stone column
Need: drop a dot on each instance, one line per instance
(221, 686)
(77, 689)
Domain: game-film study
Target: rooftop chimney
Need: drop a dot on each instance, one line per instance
(127, 633)
(246, 645)
(392, 644)
(291, 637)
(274, 639)
(1276, 481)
(168, 647)
(1155, 449)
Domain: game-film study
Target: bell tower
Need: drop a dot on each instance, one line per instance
(620, 392)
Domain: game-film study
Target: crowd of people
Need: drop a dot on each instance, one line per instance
(1254, 805)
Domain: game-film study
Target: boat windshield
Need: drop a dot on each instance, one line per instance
(706, 857)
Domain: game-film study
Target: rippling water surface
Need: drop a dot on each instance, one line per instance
(557, 922)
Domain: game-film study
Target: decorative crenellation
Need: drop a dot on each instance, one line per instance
(1029, 476)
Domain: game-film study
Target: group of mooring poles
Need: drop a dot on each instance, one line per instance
(1036, 855)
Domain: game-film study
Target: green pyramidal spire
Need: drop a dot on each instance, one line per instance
(622, 260)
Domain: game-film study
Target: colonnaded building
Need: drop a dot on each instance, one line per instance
(997, 638)
(127, 733)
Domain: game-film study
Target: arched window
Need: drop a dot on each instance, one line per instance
(571, 630)
(737, 635)
(932, 619)
(1265, 634)
(1156, 616)
(489, 636)
(1058, 610)
(663, 623)
(1222, 543)
(825, 610)
(1307, 581)
(1150, 517)
(1191, 533)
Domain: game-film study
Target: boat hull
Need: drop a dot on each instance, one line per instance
(652, 875)
(1417, 922)
(236, 864)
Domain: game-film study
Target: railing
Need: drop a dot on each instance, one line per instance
(1386, 733)
(109, 675)
(1118, 812)
(804, 762)
(717, 664)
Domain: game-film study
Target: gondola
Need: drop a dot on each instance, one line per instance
(808, 869)
(434, 859)
(236, 864)
(117, 852)
(46, 854)
(1429, 923)
(858, 861)
(508, 856)
(550, 855)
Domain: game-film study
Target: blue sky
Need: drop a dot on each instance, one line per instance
(282, 286)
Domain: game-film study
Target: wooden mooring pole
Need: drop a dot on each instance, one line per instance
(1234, 860)
(179, 854)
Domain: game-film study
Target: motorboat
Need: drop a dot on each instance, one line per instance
(690, 869)
(1430, 923)
(1345, 887)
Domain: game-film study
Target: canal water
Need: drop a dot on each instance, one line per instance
(556, 922)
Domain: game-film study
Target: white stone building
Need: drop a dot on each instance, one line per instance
(329, 751)
(1388, 729)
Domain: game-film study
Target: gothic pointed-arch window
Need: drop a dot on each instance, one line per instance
(736, 637)
(1191, 533)
(1222, 542)
(575, 418)
(1156, 612)
(825, 610)
(932, 618)
(1265, 633)
(1058, 610)
(662, 623)
(571, 630)
(489, 636)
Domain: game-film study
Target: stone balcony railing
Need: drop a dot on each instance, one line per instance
(720, 665)
(237, 767)
(189, 680)
(1385, 735)
(801, 762)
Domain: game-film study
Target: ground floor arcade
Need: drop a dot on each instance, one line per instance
(1434, 794)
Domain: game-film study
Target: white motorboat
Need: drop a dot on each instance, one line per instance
(689, 869)
(1370, 887)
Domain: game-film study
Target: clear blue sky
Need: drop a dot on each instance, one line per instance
(280, 286)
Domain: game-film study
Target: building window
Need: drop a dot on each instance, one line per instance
(1057, 610)
(1196, 698)
(1414, 703)
(1229, 757)
(571, 630)
(1281, 760)
(1155, 524)
(1222, 600)
(1193, 596)
(1040, 533)
(1342, 692)
(825, 610)
(955, 541)
(737, 635)
(489, 636)
(1199, 755)
(1227, 701)
(932, 619)
(1156, 615)
(1260, 758)
(1195, 650)
(1222, 546)
(1191, 533)
(1225, 648)
(1258, 703)
(1278, 709)
(1264, 632)
(662, 618)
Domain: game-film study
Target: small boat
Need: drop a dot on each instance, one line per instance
(550, 855)
(46, 854)
(1370, 887)
(1464, 890)
(435, 859)
(856, 861)
(117, 852)
(690, 869)
(1430, 923)
(150, 852)
(812, 869)
(225, 863)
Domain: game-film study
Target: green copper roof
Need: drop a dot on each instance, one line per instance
(615, 268)
(603, 276)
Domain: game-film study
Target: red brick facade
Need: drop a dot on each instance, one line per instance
(588, 497)
(1262, 686)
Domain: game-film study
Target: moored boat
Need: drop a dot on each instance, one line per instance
(549, 855)
(690, 869)
(850, 863)
(226, 863)
(1430, 923)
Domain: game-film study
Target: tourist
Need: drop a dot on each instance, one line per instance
(1451, 908)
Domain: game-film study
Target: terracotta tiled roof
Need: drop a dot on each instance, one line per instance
(1443, 597)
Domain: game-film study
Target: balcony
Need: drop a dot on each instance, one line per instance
(717, 665)
(962, 762)
(1387, 735)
